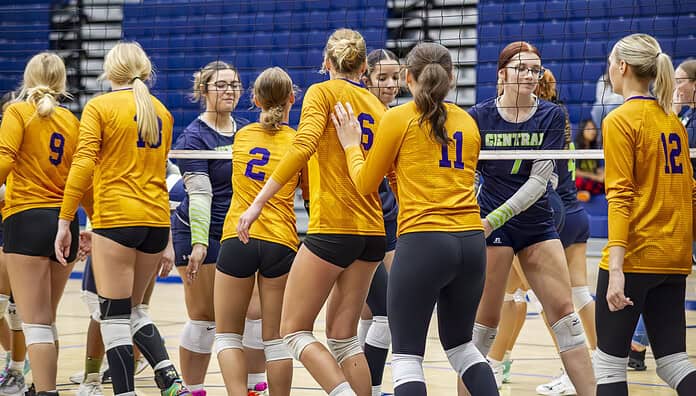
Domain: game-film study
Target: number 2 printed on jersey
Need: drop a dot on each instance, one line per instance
(265, 157)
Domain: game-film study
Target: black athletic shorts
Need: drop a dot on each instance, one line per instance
(148, 240)
(32, 232)
(241, 260)
(342, 249)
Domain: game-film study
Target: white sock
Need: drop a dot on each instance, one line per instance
(255, 378)
(195, 387)
(17, 366)
(494, 363)
(342, 389)
(377, 390)
(506, 356)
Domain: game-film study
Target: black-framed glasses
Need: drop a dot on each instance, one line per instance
(536, 71)
(223, 85)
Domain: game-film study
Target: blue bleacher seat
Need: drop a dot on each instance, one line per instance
(375, 18)
(489, 32)
(686, 24)
(490, 12)
(684, 47)
(488, 52)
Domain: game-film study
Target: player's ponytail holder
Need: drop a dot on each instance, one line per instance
(658, 55)
(135, 78)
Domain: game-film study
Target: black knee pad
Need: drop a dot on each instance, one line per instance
(114, 308)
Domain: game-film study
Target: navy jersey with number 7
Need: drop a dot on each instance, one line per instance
(544, 130)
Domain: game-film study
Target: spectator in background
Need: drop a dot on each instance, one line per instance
(605, 101)
(685, 99)
(589, 173)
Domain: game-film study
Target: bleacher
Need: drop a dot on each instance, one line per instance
(24, 31)
(181, 36)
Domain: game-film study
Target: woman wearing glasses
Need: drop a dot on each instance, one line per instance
(197, 221)
(516, 214)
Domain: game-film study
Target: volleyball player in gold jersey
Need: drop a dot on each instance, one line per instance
(651, 194)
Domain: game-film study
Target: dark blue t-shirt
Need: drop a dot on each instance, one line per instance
(545, 130)
(199, 136)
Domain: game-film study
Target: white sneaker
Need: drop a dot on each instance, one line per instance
(91, 386)
(13, 384)
(77, 377)
(497, 368)
(560, 385)
(140, 365)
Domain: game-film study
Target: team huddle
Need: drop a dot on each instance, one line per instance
(403, 220)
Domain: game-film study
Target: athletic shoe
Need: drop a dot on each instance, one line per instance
(91, 386)
(636, 360)
(103, 372)
(507, 364)
(561, 385)
(176, 389)
(13, 384)
(140, 365)
(497, 373)
(31, 391)
(260, 389)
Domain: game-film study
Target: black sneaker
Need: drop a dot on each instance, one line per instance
(636, 360)
(31, 391)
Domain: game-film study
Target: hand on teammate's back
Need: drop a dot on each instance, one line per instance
(347, 126)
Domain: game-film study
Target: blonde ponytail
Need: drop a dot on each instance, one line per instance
(145, 113)
(43, 98)
(44, 83)
(664, 82)
(645, 57)
(128, 64)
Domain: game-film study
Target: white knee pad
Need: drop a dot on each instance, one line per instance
(343, 349)
(54, 330)
(609, 369)
(407, 368)
(484, 337)
(116, 332)
(520, 296)
(13, 318)
(464, 356)
(581, 297)
(139, 318)
(379, 336)
(674, 368)
(298, 341)
(198, 336)
(252, 334)
(276, 350)
(508, 297)
(569, 332)
(363, 327)
(228, 341)
(37, 334)
(92, 302)
(4, 302)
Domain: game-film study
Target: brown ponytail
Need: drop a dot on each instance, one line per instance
(430, 65)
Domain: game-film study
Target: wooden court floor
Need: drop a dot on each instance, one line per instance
(535, 360)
